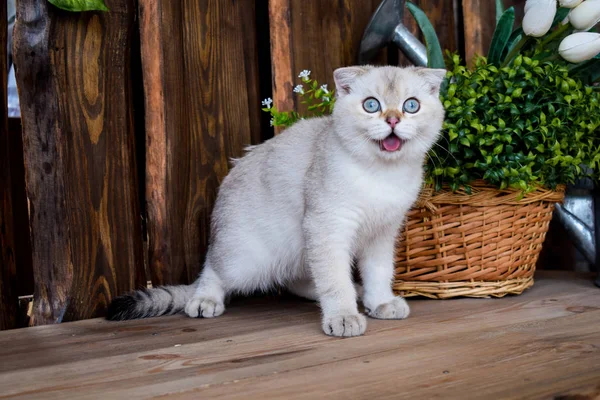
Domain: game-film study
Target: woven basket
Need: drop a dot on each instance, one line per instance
(478, 245)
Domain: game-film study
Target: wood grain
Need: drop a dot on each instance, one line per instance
(542, 344)
(479, 19)
(318, 35)
(281, 60)
(73, 74)
(202, 108)
(8, 267)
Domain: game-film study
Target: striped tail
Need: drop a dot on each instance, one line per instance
(145, 303)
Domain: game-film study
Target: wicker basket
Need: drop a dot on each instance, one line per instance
(478, 245)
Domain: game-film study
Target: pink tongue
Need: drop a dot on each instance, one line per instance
(391, 143)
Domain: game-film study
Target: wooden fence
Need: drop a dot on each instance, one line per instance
(129, 119)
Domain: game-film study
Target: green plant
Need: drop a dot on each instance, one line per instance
(318, 99)
(518, 126)
(80, 5)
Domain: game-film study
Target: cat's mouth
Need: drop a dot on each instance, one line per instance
(391, 143)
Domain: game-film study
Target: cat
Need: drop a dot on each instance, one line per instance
(299, 209)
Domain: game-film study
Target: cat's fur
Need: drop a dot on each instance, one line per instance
(296, 210)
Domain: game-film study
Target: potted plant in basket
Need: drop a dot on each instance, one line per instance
(520, 124)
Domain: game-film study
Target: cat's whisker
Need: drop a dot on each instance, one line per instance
(445, 149)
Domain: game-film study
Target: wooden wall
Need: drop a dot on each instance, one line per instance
(130, 118)
(202, 108)
(319, 35)
(74, 80)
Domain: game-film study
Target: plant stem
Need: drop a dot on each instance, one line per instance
(553, 36)
(515, 50)
(550, 58)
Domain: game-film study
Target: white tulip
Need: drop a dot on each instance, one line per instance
(581, 46)
(569, 3)
(538, 18)
(586, 15)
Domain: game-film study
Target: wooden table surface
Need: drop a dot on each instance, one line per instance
(542, 344)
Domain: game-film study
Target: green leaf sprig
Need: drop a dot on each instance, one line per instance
(318, 99)
(80, 5)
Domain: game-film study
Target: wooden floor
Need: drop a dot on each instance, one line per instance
(542, 344)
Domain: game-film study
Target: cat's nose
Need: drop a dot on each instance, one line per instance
(392, 121)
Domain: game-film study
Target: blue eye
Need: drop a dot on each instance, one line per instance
(411, 105)
(371, 105)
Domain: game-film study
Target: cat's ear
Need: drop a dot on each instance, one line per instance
(345, 77)
(434, 77)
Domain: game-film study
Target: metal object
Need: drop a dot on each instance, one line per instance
(386, 26)
(580, 217)
(582, 235)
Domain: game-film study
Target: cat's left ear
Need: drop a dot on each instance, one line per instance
(345, 77)
(434, 77)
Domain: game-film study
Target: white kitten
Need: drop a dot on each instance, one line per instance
(297, 210)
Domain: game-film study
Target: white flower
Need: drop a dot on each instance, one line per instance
(325, 98)
(324, 88)
(586, 15)
(304, 74)
(581, 46)
(267, 102)
(569, 3)
(271, 122)
(538, 18)
(299, 89)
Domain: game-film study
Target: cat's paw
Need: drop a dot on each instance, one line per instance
(344, 325)
(204, 307)
(394, 309)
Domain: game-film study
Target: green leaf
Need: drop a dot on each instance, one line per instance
(501, 36)
(435, 57)
(515, 38)
(80, 5)
(499, 10)
(561, 14)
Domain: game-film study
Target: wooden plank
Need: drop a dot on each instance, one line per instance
(8, 268)
(318, 35)
(281, 61)
(479, 19)
(200, 100)
(541, 344)
(478, 27)
(73, 74)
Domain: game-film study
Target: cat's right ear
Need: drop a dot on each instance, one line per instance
(345, 77)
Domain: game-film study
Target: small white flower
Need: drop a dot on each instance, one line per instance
(271, 122)
(324, 88)
(267, 102)
(325, 98)
(299, 89)
(304, 74)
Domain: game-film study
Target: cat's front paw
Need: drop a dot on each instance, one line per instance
(344, 325)
(394, 309)
(204, 307)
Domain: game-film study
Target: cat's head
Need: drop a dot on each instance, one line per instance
(388, 113)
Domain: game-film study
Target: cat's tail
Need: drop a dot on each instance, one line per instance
(144, 303)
